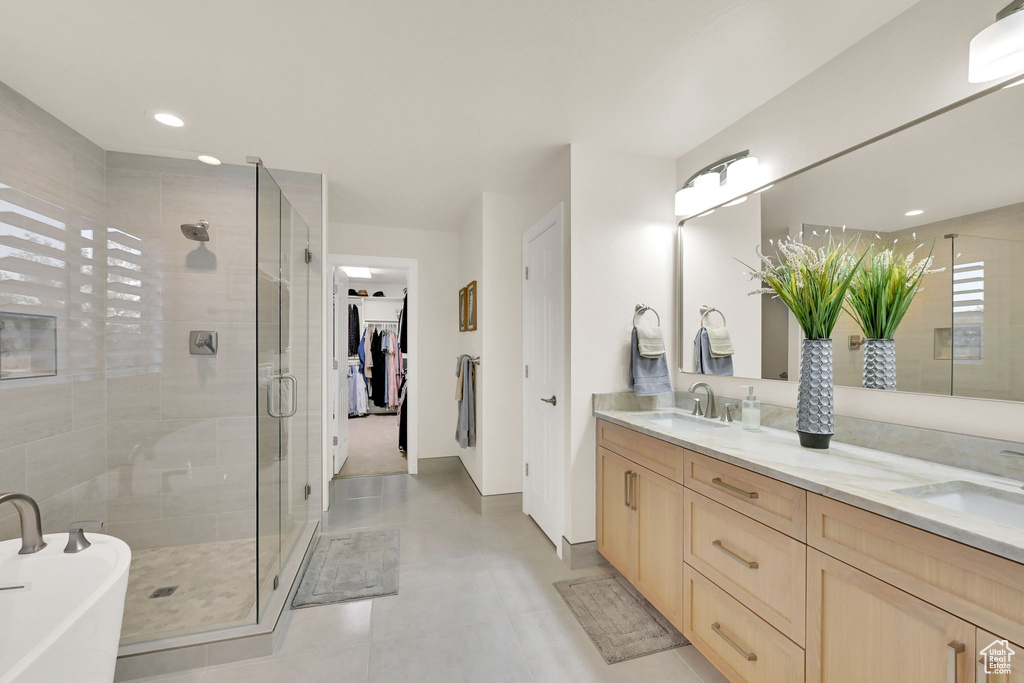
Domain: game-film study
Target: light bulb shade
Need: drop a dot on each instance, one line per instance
(686, 201)
(708, 182)
(998, 51)
(742, 174)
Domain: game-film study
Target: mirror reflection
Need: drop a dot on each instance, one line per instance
(951, 188)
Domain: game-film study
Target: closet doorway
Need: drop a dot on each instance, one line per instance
(373, 384)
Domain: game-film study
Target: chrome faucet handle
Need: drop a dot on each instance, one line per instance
(77, 542)
(727, 412)
(696, 407)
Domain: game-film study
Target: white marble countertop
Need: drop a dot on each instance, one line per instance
(859, 476)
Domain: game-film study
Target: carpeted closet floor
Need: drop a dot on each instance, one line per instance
(373, 447)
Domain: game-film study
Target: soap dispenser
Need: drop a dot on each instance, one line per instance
(751, 411)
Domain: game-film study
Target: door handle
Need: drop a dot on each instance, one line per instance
(285, 377)
(632, 495)
(625, 481)
(958, 649)
(553, 400)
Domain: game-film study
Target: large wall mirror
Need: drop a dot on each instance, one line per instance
(953, 183)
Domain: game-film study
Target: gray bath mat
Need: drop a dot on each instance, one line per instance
(620, 621)
(352, 566)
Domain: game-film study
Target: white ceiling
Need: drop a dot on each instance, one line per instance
(414, 107)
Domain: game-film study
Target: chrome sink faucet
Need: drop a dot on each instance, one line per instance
(709, 409)
(31, 523)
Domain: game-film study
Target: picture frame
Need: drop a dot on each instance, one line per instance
(471, 298)
(462, 309)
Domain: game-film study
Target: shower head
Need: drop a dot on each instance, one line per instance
(198, 232)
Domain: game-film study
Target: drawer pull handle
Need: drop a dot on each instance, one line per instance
(750, 495)
(749, 656)
(958, 649)
(632, 491)
(748, 563)
(626, 478)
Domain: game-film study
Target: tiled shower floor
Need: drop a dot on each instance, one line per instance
(216, 588)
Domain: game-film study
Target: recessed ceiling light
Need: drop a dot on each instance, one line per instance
(169, 119)
(765, 188)
(915, 212)
(207, 159)
(357, 272)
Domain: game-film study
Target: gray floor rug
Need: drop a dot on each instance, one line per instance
(352, 566)
(620, 621)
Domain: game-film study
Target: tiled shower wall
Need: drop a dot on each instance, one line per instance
(133, 430)
(53, 262)
(180, 429)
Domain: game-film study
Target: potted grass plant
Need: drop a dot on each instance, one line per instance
(813, 284)
(878, 298)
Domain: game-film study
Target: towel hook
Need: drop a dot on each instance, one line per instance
(644, 308)
(706, 310)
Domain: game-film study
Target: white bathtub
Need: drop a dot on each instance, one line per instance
(64, 623)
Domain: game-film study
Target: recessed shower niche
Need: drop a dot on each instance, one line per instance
(28, 345)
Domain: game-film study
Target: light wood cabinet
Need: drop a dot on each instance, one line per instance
(860, 629)
(978, 586)
(616, 523)
(760, 567)
(659, 557)
(640, 530)
(997, 646)
(740, 644)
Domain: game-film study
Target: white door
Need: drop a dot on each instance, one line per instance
(339, 389)
(543, 385)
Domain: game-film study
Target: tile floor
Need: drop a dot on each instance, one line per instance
(475, 605)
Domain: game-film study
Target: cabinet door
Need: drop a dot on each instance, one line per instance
(862, 630)
(1001, 652)
(616, 521)
(659, 521)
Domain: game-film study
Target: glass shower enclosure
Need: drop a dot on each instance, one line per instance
(283, 397)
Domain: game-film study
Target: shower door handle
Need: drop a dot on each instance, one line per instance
(294, 393)
(285, 377)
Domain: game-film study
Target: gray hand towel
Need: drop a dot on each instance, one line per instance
(465, 430)
(647, 376)
(708, 364)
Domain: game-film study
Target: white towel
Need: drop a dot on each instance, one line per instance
(720, 342)
(649, 342)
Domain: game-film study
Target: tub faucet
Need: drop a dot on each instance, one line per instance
(31, 523)
(709, 409)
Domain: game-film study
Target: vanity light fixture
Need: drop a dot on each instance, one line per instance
(734, 175)
(915, 212)
(998, 50)
(1014, 84)
(207, 159)
(169, 119)
(736, 201)
(764, 189)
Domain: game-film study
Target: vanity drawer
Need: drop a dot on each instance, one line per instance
(739, 643)
(767, 500)
(762, 568)
(656, 455)
(977, 586)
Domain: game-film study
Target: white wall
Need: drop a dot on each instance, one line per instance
(910, 67)
(714, 277)
(506, 216)
(438, 258)
(623, 252)
(471, 268)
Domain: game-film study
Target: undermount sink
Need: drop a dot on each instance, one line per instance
(996, 505)
(61, 613)
(677, 421)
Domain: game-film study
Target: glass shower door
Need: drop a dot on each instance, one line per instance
(282, 401)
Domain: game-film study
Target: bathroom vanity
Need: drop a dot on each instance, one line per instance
(781, 564)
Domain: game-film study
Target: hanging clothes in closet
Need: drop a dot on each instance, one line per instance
(358, 404)
(378, 380)
(353, 329)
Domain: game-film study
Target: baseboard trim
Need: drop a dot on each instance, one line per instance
(581, 555)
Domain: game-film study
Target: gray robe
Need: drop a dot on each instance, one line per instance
(465, 431)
